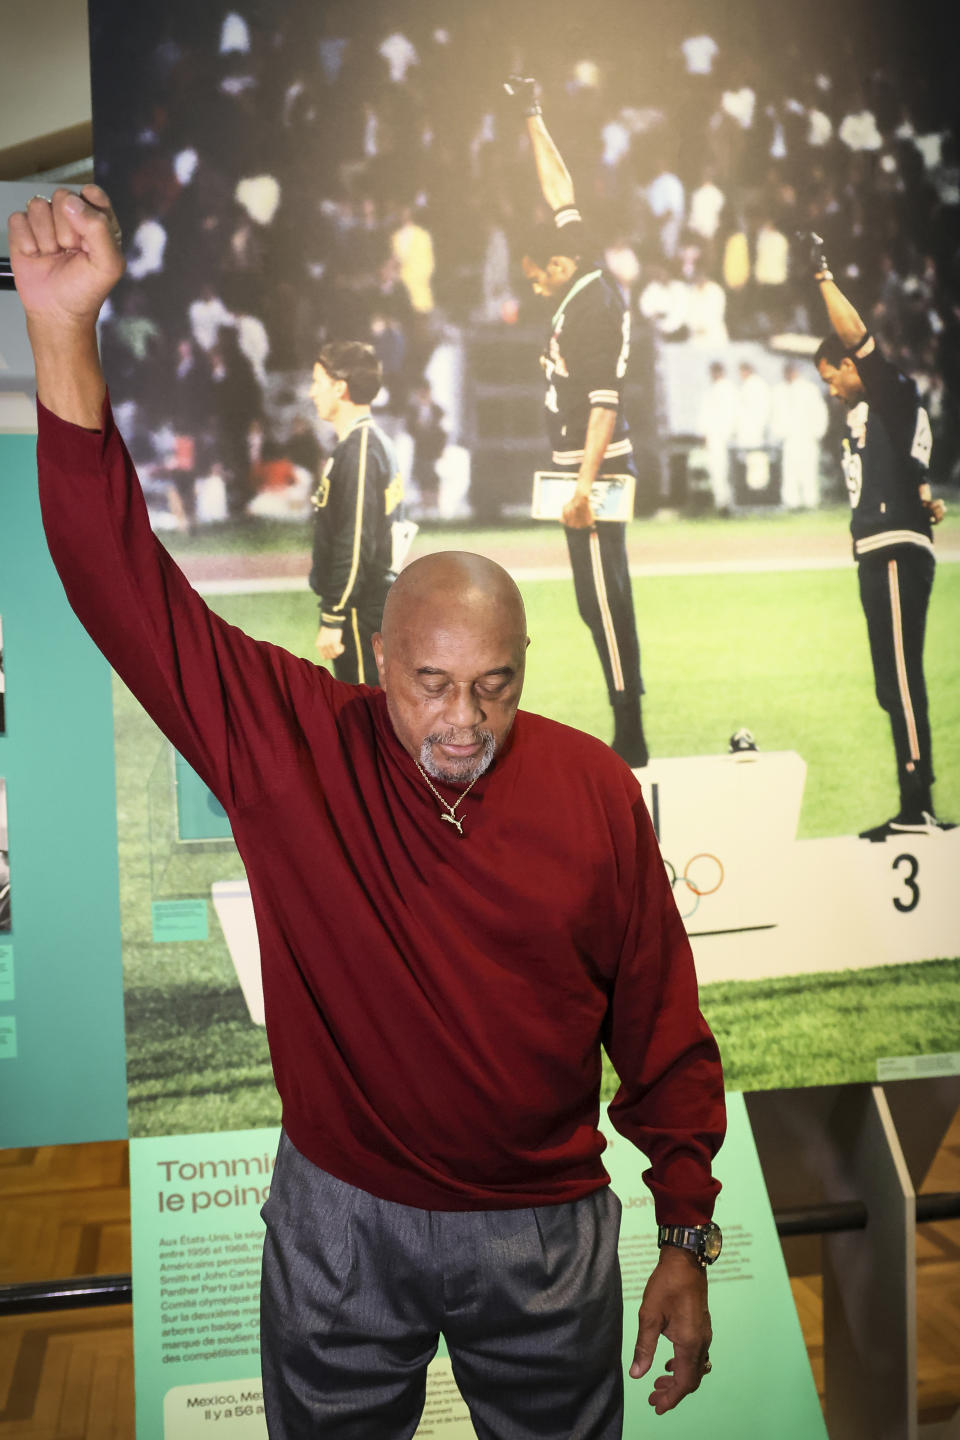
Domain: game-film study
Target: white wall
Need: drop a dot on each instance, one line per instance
(16, 362)
(44, 68)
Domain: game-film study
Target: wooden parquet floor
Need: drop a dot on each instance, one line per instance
(68, 1375)
(64, 1210)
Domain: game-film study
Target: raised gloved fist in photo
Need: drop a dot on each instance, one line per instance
(819, 264)
(525, 93)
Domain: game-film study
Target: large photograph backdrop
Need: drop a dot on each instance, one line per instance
(290, 174)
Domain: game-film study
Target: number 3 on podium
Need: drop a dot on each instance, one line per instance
(910, 883)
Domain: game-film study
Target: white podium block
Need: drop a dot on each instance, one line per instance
(234, 907)
(847, 904)
(854, 904)
(725, 825)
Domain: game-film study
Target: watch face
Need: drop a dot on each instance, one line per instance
(712, 1242)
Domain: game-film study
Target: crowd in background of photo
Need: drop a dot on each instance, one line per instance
(286, 177)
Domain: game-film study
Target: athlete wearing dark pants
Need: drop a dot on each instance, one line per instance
(585, 364)
(895, 587)
(355, 502)
(601, 582)
(356, 664)
(885, 463)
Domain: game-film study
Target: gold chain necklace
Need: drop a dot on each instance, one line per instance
(449, 810)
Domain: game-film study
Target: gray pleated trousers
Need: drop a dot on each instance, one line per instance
(356, 1292)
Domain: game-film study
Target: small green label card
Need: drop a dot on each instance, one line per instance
(918, 1067)
(179, 920)
(8, 1037)
(6, 972)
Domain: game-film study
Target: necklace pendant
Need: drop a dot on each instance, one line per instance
(452, 820)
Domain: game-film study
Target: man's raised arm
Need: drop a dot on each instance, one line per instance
(224, 700)
(842, 314)
(555, 182)
(66, 259)
(858, 343)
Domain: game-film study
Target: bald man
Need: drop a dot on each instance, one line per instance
(458, 903)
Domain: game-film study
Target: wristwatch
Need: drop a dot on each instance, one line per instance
(704, 1241)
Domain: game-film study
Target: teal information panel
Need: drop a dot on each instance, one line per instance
(61, 1005)
(197, 1238)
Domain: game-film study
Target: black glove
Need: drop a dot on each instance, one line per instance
(523, 92)
(812, 244)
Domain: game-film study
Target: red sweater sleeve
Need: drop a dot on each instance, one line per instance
(223, 699)
(670, 1102)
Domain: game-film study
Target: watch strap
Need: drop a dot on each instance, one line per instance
(693, 1238)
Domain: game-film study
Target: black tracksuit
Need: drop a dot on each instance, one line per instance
(585, 364)
(885, 460)
(357, 495)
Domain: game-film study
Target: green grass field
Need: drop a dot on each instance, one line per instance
(784, 654)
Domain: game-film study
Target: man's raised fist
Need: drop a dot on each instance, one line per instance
(524, 92)
(812, 244)
(66, 256)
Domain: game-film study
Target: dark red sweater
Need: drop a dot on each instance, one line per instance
(435, 1005)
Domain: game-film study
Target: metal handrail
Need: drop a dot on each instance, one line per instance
(78, 1292)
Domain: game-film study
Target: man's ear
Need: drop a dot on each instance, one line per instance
(377, 643)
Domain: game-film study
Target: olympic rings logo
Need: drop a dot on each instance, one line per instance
(703, 875)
